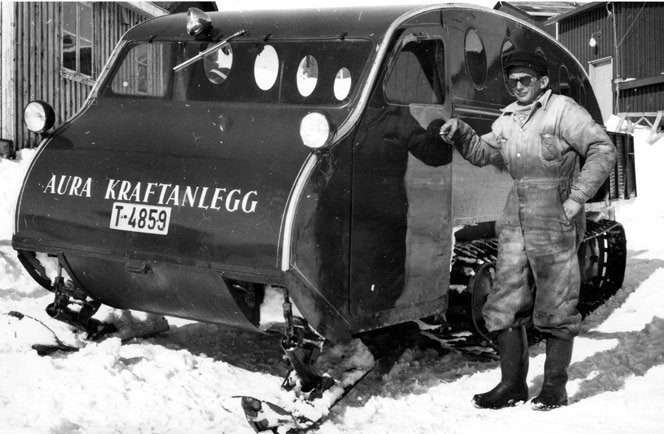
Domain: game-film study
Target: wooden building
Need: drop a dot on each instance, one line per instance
(54, 51)
(620, 44)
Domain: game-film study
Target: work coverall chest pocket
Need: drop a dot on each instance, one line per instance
(551, 149)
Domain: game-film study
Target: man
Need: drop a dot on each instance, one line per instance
(540, 139)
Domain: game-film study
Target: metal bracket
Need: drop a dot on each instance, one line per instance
(642, 117)
(301, 349)
(81, 319)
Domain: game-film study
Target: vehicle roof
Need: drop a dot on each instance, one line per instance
(294, 23)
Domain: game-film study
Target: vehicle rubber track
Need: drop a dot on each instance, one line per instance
(470, 280)
(603, 251)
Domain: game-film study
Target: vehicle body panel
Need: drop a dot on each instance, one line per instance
(360, 232)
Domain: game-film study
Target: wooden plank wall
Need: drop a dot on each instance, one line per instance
(3, 103)
(7, 76)
(39, 58)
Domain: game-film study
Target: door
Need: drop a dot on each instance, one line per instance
(401, 189)
(601, 79)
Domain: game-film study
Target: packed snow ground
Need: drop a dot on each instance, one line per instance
(186, 380)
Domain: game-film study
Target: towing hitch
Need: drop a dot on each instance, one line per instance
(302, 347)
(82, 318)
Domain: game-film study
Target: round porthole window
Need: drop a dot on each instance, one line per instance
(218, 64)
(342, 83)
(475, 57)
(563, 81)
(307, 75)
(574, 89)
(506, 50)
(539, 52)
(266, 67)
(582, 95)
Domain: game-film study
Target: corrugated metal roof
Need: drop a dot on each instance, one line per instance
(581, 8)
(545, 9)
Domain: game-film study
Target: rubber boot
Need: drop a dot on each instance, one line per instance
(558, 358)
(513, 388)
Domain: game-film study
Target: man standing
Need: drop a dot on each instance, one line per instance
(540, 139)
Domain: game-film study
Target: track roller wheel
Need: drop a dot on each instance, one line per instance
(479, 286)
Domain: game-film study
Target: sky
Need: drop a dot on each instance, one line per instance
(188, 378)
(289, 4)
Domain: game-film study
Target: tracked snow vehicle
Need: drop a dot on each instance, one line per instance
(218, 154)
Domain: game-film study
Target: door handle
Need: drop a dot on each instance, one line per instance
(137, 266)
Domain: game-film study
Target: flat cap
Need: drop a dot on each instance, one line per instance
(528, 60)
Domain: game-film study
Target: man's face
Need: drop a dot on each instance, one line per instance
(525, 85)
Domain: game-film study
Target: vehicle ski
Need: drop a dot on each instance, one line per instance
(303, 406)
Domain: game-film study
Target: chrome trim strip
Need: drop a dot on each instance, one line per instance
(476, 111)
(107, 67)
(293, 201)
(344, 129)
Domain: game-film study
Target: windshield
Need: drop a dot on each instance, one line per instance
(286, 72)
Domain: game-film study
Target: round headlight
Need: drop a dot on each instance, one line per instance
(315, 130)
(39, 117)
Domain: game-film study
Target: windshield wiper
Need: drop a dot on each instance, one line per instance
(208, 51)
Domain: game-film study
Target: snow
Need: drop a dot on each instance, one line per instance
(188, 379)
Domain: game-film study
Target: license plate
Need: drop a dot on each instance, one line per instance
(140, 218)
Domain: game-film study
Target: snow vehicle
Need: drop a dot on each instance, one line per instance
(220, 153)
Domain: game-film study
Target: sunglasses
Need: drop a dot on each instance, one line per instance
(525, 81)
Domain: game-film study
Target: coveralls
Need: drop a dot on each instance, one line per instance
(537, 242)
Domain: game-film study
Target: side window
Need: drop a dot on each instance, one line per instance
(145, 71)
(563, 81)
(301, 72)
(77, 38)
(266, 68)
(506, 50)
(416, 76)
(307, 75)
(475, 56)
(539, 52)
(218, 64)
(574, 88)
(342, 83)
(582, 95)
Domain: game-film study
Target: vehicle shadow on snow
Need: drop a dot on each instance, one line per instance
(636, 352)
(417, 367)
(252, 351)
(634, 355)
(410, 363)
